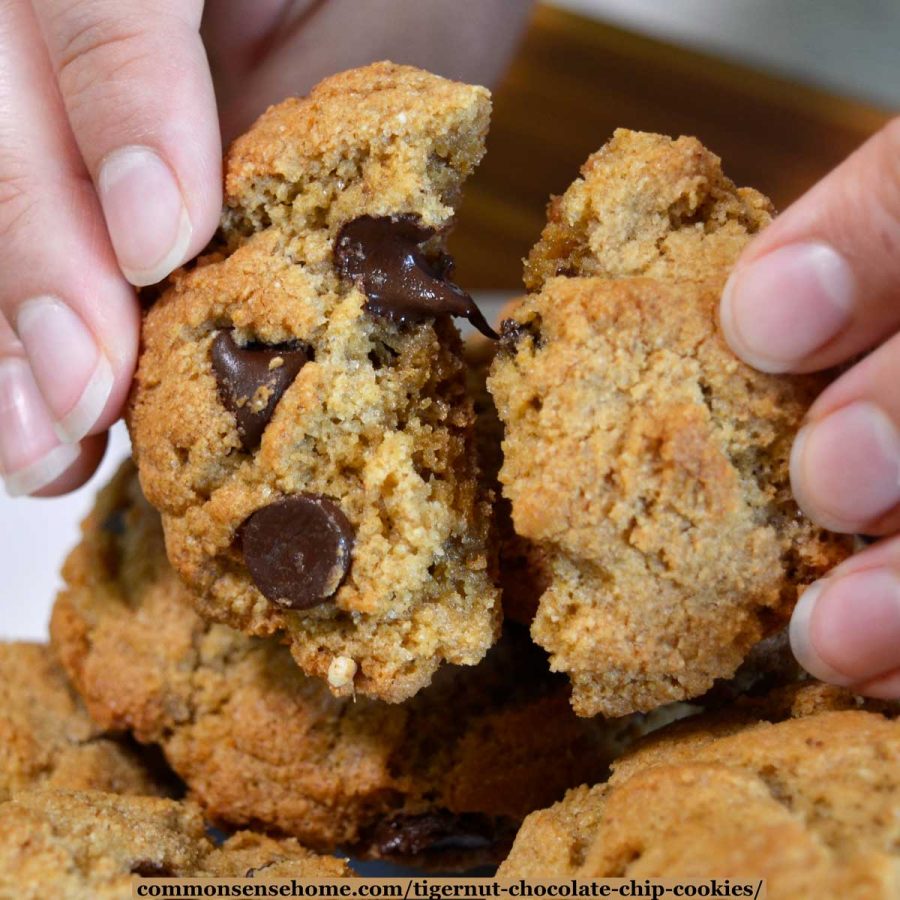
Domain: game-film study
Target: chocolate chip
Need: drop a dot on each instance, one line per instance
(383, 256)
(114, 523)
(298, 549)
(252, 379)
(434, 832)
(149, 868)
(511, 332)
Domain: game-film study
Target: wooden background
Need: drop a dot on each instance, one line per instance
(573, 81)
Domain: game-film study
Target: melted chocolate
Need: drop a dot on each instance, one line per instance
(511, 332)
(434, 832)
(149, 868)
(242, 371)
(114, 523)
(298, 550)
(383, 256)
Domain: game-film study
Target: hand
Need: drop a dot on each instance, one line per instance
(110, 172)
(818, 287)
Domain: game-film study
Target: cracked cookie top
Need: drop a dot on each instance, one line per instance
(89, 844)
(48, 740)
(804, 794)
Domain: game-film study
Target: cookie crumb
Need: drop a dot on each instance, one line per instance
(341, 672)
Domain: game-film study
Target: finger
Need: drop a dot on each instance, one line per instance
(822, 282)
(32, 457)
(885, 687)
(77, 318)
(136, 85)
(845, 463)
(846, 630)
(90, 456)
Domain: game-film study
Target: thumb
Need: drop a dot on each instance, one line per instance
(822, 282)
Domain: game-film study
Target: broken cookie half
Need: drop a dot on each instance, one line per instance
(648, 464)
(300, 416)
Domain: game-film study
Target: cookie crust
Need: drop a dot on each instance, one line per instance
(377, 420)
(442, 780)
(89, 844)
(47, 739)
(646, 461)
(804, 793)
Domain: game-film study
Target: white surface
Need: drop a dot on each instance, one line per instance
(849, 46)
(36, 535)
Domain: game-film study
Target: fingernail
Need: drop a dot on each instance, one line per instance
(845, 468)
(847, 630)
(74, 377)
(31, 456)
(782, 307)
(145, 214)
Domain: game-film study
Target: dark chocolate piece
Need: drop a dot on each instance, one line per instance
(511, 332)
(298, 549)
(242, 371)
(150, 868)
(114, 523)
(407, 836)
(382, 255)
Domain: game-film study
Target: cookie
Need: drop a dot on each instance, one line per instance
(646, 461)
(300, 416)
(442, 780)
(811, 804)
(89, 844)
(47, 739)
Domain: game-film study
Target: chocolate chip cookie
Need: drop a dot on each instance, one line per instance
(646, 461)
(443, 779)
(89, 844)
(300, 416)
(805, 795)
(48, 740)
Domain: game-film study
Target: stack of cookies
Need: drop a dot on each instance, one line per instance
(367, 589)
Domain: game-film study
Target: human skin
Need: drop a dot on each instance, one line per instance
(113, 114)
(816, 289)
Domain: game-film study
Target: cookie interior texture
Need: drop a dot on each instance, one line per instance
(443, 779)
(804, 793)
(376, 420)
(47, 739)
(74, 844)
(649, 464)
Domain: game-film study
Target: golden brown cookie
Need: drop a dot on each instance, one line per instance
(443, 779)
(811, 804)
(48, 740)
(89, 844)
(646, 461)
(300, 416)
